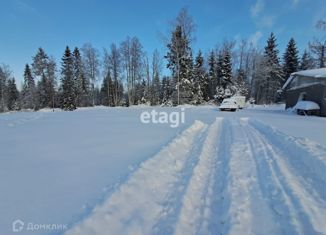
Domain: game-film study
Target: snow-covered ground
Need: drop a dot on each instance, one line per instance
(260, 170)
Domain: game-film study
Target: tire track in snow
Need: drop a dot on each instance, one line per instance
(137, 206)
(195, 211)
(167, 219)
(272, 189)
(220, 200)
(304, 209)
(306, 158)
(29, 117)
(248, 212)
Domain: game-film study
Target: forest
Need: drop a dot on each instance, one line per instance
(125, 74)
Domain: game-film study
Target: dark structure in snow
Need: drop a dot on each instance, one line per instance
(307, 85)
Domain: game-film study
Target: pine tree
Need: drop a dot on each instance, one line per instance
(29, 90)
(12, 100)
(68, 98)
(212, 74)
(201, 80)
(290, 59)
(307, 62)
(80, 81)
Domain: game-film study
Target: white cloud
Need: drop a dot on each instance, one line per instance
(257, 8)
(254, 38)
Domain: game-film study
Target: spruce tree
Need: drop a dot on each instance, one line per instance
(68, 98)
(187, 81)
(29, 91)
(51, 81)
(43, 68)
(107, 91)
(290, 60)
(307, 62)
(156, 88)
(212, 64)
(12, 100)
(42, 94)
(273, 76)
(225, 87)
(166, 91)
(3, 81)
(40, 61)
(201, 80)
(180, 62)
(226, 72)
(80, 82)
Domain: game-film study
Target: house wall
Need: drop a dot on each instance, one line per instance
(315, 93)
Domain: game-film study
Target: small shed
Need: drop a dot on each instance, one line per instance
(309, 85)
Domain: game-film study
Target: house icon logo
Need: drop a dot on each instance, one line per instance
(17, 226)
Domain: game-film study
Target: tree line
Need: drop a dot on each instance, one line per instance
(129, 76)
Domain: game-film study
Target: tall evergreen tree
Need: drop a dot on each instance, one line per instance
(201, 80)
(290, 60)
(307, 62)
(271, 76)
(226, 78)
(81, 84)
(43, 68)
(156, 88)
(68, 98)
(40, 61)
(225, 86)
(180, 63)
(12, 100)
(166, 91)
(212, 69)
(3, 81)
(107, 91)
(42, 94)
(28, 100)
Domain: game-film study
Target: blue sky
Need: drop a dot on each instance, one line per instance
(28, 24)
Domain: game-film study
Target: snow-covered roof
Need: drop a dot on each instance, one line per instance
(316, 73)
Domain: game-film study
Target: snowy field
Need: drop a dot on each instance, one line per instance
(260, 170)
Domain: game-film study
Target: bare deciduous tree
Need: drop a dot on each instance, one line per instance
(132, 59)
(91, 63)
